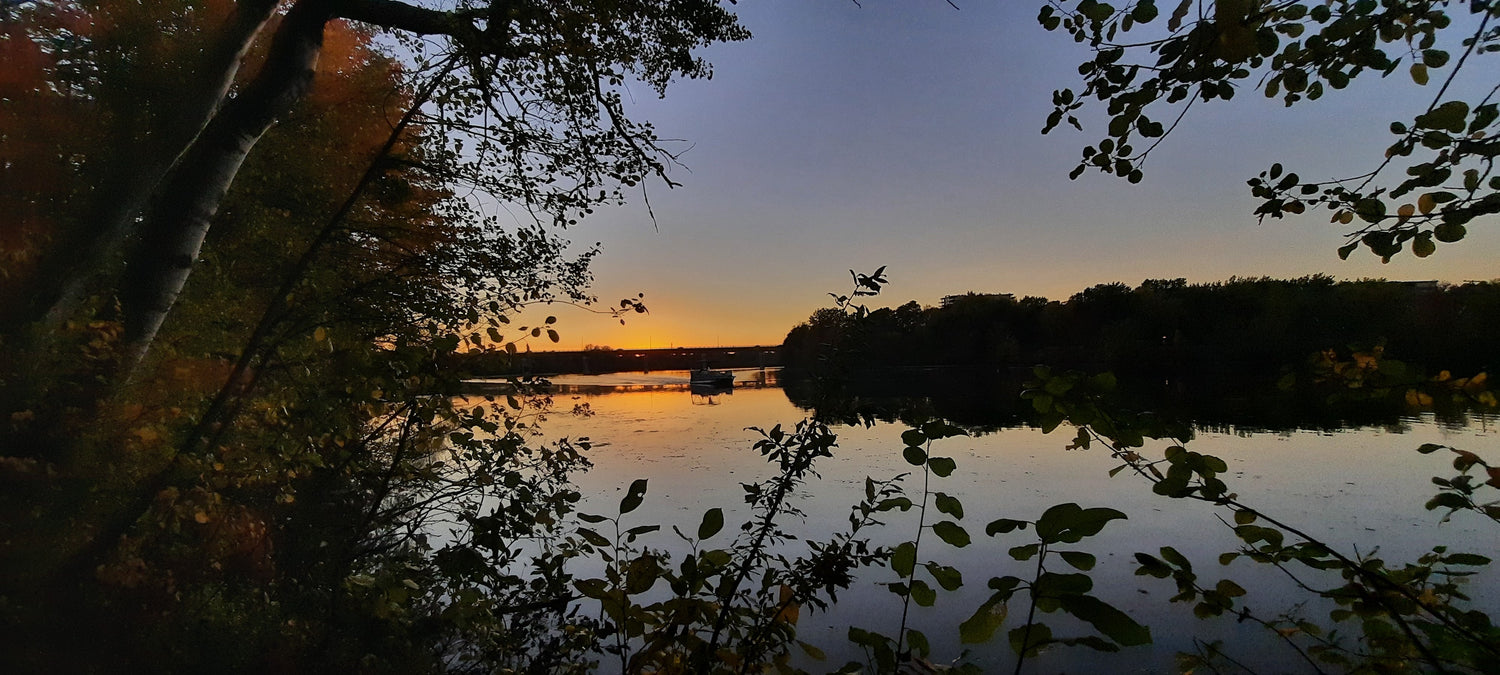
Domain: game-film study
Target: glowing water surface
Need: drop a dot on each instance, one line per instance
(1358, 490)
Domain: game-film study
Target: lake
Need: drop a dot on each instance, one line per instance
(1359, 489)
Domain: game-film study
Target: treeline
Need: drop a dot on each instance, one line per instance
(1242, 327)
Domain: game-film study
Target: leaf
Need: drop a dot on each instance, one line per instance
(634, 496)
(1026, 640)
(1172, 556)
(904, 559)
(641, 574)
(1450, 116)
(901, 503)
(1069, 523)
(593, 537)
(947, 577)
(1152, 566)
(1422, 246)
(1466, 559)
(1054, 585)
(1144, 12)
(1449, 232)
(1025, 552)
(914, 455)
(938, 430)
(981, 625)
(1004, 525)
(949, 505)
(913, 437)
(713, 521)
(790, 611)
(918, 641)
(942, 466)
(1175, 22)
(1078, 559)
(591, 588)
(951, 532)
(1419, 73)
(639, 530)
(1229, 589)
(812, 652)
(922, 593)
(1105, 618)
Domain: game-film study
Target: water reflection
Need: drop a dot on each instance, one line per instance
(613, 383)
(1359, 487)
(988, 400)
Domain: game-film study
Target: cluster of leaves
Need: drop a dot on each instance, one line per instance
(735, 608)
(1066, 523)
(1458, 493)
(1298, 51)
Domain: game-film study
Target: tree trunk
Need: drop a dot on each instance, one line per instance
(173, 232)
(65, 279)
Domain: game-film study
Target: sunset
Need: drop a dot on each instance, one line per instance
(794, 337)
(909, 135)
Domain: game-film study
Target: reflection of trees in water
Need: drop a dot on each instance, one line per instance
(988, 400)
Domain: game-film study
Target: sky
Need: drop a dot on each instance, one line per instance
(906, 133)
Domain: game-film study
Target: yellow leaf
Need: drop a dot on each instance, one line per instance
(320, 334)
(200, 517)
(790, 610)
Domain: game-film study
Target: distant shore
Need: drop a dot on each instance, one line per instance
(595, 361)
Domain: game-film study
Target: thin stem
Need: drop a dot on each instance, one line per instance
(916, 550)
(1041, 555)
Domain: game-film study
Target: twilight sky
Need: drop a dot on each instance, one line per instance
(907, 133)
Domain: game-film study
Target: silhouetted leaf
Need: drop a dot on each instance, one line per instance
(952, 533)
(634, 496)
(713, 521)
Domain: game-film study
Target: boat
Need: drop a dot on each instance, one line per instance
(715, 378)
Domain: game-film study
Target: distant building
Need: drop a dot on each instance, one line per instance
(950, 300)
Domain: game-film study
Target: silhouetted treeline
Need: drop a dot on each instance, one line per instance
(1241, 327)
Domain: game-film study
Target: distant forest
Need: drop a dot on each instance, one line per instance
(1241, 327)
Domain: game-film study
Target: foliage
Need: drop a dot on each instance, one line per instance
(1416, 611)
(293, 480)
(730, 609)
(1241, 329)
(290, 481)
(1146, 70)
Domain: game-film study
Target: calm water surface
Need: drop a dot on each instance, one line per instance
(1360, 490)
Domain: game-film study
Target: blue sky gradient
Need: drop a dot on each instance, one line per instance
(907, 134)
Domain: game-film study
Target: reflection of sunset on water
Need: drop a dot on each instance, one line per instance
(695, 455)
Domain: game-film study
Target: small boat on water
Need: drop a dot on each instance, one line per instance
(715, 378)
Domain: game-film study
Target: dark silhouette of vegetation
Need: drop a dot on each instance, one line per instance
(231, 441)
(1241, 330)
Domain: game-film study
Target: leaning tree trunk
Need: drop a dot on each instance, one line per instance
(66, 276)
(173, 232)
